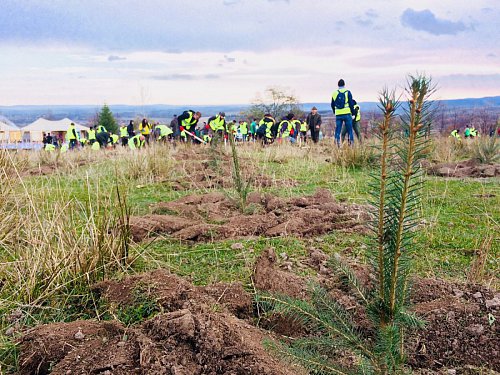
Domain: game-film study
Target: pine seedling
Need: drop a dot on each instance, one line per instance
(395, 196)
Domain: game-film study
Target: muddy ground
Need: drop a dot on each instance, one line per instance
(211, 330)
(467, 168)
(215, 216)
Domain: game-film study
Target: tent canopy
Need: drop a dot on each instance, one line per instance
(44, 125)
(6, 127)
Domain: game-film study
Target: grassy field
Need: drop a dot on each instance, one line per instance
(58, 231)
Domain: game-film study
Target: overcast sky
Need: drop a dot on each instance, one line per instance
(225, 51)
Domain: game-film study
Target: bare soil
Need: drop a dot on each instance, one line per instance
(214, 216)
(468, 168)
(462, 330)
(195, 334)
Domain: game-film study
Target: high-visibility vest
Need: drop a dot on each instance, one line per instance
(165, 131)
(303, 126)
(50, 147)
(70, 134)
(95, 146)
(114, 138)
(244, 128)
(455, 134)
(269, 122)
(123, 132)
(101, 129)
(91, 135)
(64, 148)
(358, 113)
(135, 142)
(342, 111)
(217, 123)
(285, 126)
(187, 123)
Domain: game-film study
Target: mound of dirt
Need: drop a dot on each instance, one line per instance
(195, 334)
(462, 320)
(214, 216)
(468, 168)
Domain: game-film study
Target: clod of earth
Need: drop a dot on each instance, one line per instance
(214, 217)
(469, 168)
(195, 334)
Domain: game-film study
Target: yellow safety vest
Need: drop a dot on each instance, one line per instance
(71, 130)
(303, 126)
(123, 132)
(187, 123)
(217, 123)
(358, 113)
(342, 111)
(244, 128)
(91, 135)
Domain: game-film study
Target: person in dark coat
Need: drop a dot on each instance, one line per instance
(313, 121)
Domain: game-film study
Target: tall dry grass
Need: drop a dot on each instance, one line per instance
(52, 242)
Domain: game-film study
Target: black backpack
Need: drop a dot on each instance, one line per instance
(340, 100)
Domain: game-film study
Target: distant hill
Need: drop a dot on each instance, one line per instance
(24, 114)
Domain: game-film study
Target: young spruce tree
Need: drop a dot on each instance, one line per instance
(396, 192)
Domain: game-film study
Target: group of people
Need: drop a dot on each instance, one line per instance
(186, 128)
(469, 132)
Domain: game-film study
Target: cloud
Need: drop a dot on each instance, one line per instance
(426, 21)
(174, 77)
(116, 58)
(231, 2)
(371, 13)
(183, 77)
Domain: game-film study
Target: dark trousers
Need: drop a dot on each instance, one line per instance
(124, 141)
(315, 134)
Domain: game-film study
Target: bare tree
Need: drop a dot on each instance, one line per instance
(277, 101)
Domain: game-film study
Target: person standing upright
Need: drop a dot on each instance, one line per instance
(174, 125)
(313, 121)
(130, 129)
(343, 108)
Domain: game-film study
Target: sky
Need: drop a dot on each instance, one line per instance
(228, 51)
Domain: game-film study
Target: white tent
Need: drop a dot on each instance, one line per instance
(40, 126)
(9, 132)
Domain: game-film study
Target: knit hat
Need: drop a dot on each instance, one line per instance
(341, 83)
(314, 109)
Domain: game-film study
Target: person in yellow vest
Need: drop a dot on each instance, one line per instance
(455, 133)
(92, 133)
(302, 127)
(72, 136)
(101, 129)
(243, 130)
(95, 146)
(187, 121)
(49, 147)
(137, 141)
(286, 128)
(343, 108)
(145, 129)
(264, 132)
(164, 132)
(114, 138)
(356, 119)
(217, 125)
(123, 134)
